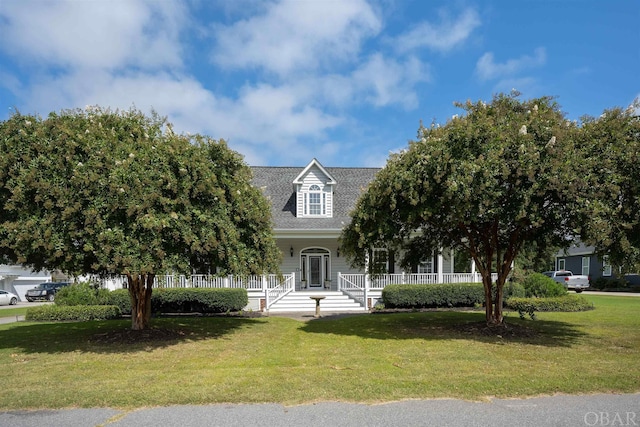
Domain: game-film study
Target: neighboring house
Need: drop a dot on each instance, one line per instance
(17, 279)
(583, 259)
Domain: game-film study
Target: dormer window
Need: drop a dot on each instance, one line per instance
(314, 192)
(316, 204)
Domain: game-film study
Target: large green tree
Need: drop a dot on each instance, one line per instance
(612, 223)
(501, 176)
(118, 193)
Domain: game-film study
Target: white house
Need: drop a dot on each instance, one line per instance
(310, 206)
(17, 279)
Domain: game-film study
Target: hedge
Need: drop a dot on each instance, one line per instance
(433, 295)
(75, 312)
(119, 298)
(440, 295)
(199, 300)
(186, 300)
(566, 303)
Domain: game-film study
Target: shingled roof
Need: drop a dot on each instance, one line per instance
(277, 185)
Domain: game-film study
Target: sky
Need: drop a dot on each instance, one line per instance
(344, 81)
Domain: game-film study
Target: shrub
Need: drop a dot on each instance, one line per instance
(540, 286)
(184, 300)
(433, 296)
(513, 290)
(119, 298)
(611, 283)
(76, 312)
(80, 294)
(199, 300)
(564, 303)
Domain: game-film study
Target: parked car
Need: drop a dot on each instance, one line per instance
(7, 298)
(46, 291)
(569, 280)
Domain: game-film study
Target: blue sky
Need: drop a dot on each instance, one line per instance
(345, 81)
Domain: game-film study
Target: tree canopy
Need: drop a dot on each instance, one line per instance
(116, 192)
(612, 143)
(503, 175)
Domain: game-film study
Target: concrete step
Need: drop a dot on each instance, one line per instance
(302, 301)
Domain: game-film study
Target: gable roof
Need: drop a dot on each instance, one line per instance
(314, 162)
(276, 184)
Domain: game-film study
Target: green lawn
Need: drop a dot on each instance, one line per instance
(13, 312)
(367, 358)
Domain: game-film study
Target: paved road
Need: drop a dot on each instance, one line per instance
(592, 410)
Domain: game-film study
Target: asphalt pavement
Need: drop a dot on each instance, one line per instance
(561, 410)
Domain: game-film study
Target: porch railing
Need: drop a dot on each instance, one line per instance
(359, 284)
(273, 294)
(250, 283)
(354, 285)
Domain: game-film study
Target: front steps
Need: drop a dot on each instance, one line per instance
(334, 302)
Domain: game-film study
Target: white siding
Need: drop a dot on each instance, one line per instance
(314, 177)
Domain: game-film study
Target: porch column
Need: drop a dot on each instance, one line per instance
(366, 271)
(473, 270)
(440, 264)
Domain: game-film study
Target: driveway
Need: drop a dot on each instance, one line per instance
(591, 410)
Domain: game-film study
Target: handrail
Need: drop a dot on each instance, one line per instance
(276, 293)
(348, 286)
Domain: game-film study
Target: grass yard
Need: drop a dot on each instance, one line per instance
(13, 312)
(366, 358)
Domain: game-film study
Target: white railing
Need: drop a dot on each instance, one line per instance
(250, 283)
(277, 292)
(351, 283)
(354, 285)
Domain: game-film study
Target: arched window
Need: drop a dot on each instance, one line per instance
(315, 201)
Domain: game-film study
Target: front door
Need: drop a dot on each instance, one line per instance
(315, 271)
(315, 267)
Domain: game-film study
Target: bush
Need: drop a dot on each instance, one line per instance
(119, 298)
(540, 286)
(76, 312)
(184, 300)
(603, 283)
(513, 290)
(81, 294)
(433, 296)
(566, 303)
(199, 300)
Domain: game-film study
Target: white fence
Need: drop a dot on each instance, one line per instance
(250, 283)
(358, 286)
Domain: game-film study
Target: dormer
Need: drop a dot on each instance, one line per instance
(314, 188)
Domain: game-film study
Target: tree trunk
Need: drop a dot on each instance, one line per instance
(498, 318)
(488, 297)
(140, 289)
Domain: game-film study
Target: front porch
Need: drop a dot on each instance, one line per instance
(268, 292)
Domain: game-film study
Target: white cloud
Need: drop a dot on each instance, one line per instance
(120, 54)
(488, 69)
(388, 81)
(263, 120)
(293, 35)
(102, 34)
(443, 36)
